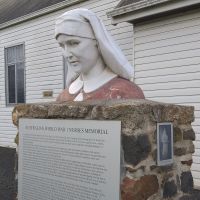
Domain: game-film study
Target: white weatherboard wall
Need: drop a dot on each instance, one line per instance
(43, 59)
(167, 64)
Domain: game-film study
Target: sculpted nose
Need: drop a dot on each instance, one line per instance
(69, 55)
(68, 52)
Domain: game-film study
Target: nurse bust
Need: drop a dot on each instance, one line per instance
(97, 69)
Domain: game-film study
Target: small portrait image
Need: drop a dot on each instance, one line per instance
(164, 144)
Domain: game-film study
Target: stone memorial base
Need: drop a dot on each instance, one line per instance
(141, 177)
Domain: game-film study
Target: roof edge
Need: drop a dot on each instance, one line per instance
(145, 9)
(134, 6)
(40, 12)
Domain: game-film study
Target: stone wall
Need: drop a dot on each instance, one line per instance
(141, 177)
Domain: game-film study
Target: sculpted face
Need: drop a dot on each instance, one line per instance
(81, 53)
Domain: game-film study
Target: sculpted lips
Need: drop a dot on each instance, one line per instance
(73, 61)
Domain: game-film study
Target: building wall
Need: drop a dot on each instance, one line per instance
(44, 65)
(167, 65)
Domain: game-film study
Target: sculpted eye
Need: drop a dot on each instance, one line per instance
(61, 45)
(74, 42)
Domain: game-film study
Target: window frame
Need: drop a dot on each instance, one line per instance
(65, 70)
(6, 73)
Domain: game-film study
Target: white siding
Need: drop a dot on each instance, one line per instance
(44, 67)
(167, 65)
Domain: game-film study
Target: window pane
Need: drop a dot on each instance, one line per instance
(10, 55)
(20, 83)
(19, 53)
(11, 84)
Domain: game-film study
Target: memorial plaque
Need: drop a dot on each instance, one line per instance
(69, 159)
(164, 143)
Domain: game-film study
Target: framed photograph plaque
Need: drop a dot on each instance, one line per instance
(164, 143)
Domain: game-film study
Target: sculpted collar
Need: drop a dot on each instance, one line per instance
(91, 85)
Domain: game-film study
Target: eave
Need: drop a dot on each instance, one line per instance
(149, 9)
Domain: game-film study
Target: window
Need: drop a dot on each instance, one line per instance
(64, 71)
(15, 74)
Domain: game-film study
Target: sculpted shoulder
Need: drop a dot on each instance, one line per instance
(124, 89)
(64, 96)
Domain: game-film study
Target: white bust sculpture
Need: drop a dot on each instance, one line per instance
(94, 62)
